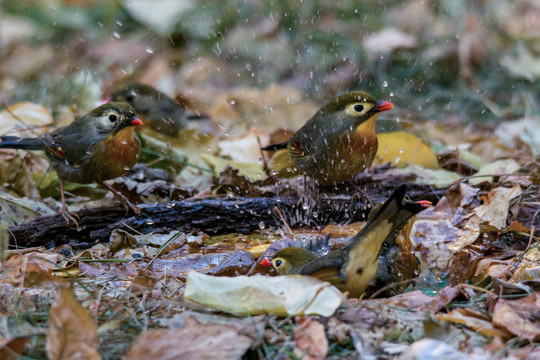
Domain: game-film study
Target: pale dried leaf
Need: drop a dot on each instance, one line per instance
(193, 342)
(25, 120)
(494, 211)
(245, 148)
(262, 295)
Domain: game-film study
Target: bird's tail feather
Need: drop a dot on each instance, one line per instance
(14, 142)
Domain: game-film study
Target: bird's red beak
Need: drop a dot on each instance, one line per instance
(424, 203)
(384, 105)
(266, 262)
(136, 122)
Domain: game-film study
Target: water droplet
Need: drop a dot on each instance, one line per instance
(149, 51)
(400, 151)
(262, 225)
(150, 222)
(305, 206)
(116, 35)
(385, 84)
(397, 160)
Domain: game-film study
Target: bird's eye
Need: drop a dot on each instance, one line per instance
(278, 263)
(358, 108)
(130, 98)
(113, 118)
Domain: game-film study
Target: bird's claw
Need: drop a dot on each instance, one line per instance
(69, 217)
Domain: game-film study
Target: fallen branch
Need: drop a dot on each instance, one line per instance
(211, 215)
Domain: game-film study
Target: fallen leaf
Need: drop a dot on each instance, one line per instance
(423, 176)
(499, 167)
(30, 269)
(73, 333)
(161, 15)
(11, 349)
(25, 120)
(280, 295)
(473, 320)
(193, 342)
(520, 317)
(494, 211)
(388, 40)
(252, 171)
(246, 147)
(252, 326)
(401, 148)
(432, 349)
(310, 339)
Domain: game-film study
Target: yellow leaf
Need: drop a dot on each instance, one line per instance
(402, 149)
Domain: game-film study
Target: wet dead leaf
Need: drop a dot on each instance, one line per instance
(401, 148)
(280, 295)
(73, 333)
(520, 317)
(193, 342)
(310, 339)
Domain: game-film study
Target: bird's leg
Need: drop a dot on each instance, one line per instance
(65, 211)
(124, 200)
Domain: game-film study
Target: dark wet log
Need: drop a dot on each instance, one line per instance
(211, 215)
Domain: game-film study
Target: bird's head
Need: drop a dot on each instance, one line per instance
(289, 260)
(114, 116)
(357, 104)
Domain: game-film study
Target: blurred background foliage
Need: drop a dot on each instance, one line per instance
(438, 60)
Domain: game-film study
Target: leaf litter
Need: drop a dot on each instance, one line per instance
(474, 291)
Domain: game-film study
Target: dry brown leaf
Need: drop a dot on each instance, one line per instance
(195, 341)
(31, 268)
(73, 333)
(310, 339)
(11, 349)
(473, 320)
(520, 317)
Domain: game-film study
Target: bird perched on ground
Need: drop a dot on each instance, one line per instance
(339, 141)
(353, 267)
(156, 109)
(98, 146)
